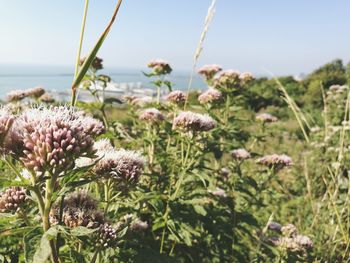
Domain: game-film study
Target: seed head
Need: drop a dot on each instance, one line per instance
(210, 96)
(79, 209)
(160, 67)
(188, 121)
(12, 199)
(151, 115)
(176, 97)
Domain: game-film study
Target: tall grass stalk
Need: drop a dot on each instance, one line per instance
(208, 19)
(81, 39)
(87, 62)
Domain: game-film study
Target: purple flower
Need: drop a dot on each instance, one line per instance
(159, 66)
(209, 71)
(276, 161)
(12, 199)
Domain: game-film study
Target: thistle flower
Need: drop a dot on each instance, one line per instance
(121, 165)
(151, 115)
(106, 236)
(138, 225)
(79, 209)
(266, 117)
(240, 154)
(12, 199)
(16, 95)
(188, 120)
(209, 71)
(96, 63)
(6, 121)
(176, 97)
(218, 192)
(160, 67)
(275, 161)
(51, 139)
(210, 96)
(35, 92)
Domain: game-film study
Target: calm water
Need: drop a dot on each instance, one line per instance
(59, 78)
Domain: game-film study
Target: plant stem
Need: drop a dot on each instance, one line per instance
(81, 37)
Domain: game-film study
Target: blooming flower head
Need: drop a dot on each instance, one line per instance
(275, 161)
(246, 77)
(151, 115)
(12, 199)
(6, 121)
(121, 165)
(266, 117)
(103, 145)
(176, 97)
(159, 66)
(289, 230)
(210, 96)
(16, 95)
(188, 121)
(51, 139)
(209, 71)
(79, 209)
(141, 101)
(46, 97)
(35, 92)
(227, 80)
(240, 154)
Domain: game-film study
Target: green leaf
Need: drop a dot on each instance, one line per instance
(44, 251)
(31, 241)
(82, 231)
(112, 100)
(200, 210)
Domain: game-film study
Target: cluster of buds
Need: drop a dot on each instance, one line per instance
(209, 71)
(96, 64)
(17, 95)
(106, 236)
(290, 239)
(151, 115)
(275, 161)
(210, 96)
(120, 164)
(159, 66)
(338, 88)
(78, 209)
(176, 97)
(51, 139)
(190, 121)
(240, 154)
(12, 199)
(6, 121)
(266, 117)
(229, 80)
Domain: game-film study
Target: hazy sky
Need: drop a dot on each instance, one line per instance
(286, 37)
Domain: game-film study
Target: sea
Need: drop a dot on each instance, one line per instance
(58, 79)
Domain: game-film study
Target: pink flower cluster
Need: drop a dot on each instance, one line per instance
(6, 121)
(276, 161)
(240, 154)
(151, 115)
(159, 66)
(51, 139)
(12, 199)
(210, 96)
(188, 121)
(232, 79)
(209, 71)
(266, 117)
(17, 95)
(176, 97)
